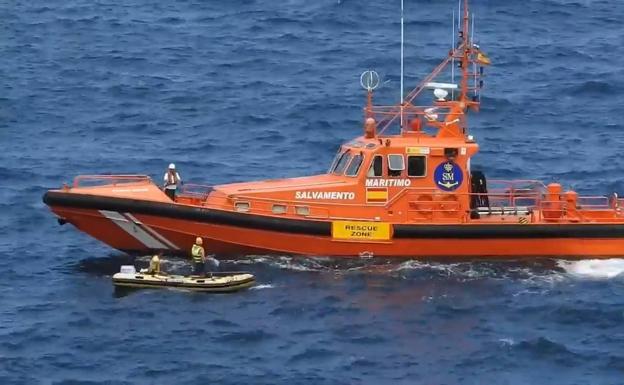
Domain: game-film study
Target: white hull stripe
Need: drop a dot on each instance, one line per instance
(134, 230)
(151, 230)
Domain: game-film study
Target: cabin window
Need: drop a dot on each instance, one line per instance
(342, 163)
(396, 165)
(241, 207)
(302, 210)
(416, 165)
(279, 209)
(335, 161)
(376, 167)
(354, 166)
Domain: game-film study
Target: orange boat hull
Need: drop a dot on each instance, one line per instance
(176, 236)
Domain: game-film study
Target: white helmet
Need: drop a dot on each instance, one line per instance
(171, 166)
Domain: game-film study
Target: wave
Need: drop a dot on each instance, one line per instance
(109, 265)
(245, 337)
(313, 354)
(262, 286)
(101, 266)
(544, 348)
(593, 268)
(542, 270)
(593, 87)
(282, 262)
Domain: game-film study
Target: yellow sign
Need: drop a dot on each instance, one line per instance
(417, 150)
(361, 231)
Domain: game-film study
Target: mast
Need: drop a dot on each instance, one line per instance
(465, 60)
(469, 60)
(402, 42)
(453, 55)
(474, 64)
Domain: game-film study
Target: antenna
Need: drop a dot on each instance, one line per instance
(402, 41)
(453, 55)
(369, 80)
(474, 64)
(464, 35)
(459, 15)
(472, 32)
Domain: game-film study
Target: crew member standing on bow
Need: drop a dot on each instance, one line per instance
(172, 180)
(199, 257)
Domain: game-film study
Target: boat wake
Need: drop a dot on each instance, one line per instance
(262, 287)
(594, 268)
(550, 270)
(546, 269)
(540, 270)
(303, 264)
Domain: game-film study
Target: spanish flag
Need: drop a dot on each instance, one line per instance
(376, 195)
(483, 59)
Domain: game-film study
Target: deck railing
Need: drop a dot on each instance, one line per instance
(594, 203)
(107, 180)
(199, 191)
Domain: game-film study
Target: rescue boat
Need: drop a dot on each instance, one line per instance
(404, 188)
(223, 282)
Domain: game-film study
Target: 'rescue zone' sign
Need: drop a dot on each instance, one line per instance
(361, 231)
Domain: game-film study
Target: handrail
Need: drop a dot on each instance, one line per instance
(315, 184)
(601, 202)
(196, 190)
(510, 195)
(111, 179)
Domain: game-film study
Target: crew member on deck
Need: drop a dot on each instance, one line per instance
(154, 266)
(199, 257)
(172, 180)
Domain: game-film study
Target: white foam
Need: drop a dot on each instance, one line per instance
(594, 268)
(283, 262)
(263, 286)
(248, 260)
(507, 341)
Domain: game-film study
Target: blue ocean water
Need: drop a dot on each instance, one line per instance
(249, 89)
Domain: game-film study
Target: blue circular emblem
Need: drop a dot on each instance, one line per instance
(448, 176)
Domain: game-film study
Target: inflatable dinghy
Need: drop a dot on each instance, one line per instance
(221, 282)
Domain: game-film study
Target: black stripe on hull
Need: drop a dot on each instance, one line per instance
(512, 231)
(323, 228)
(176, 211)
